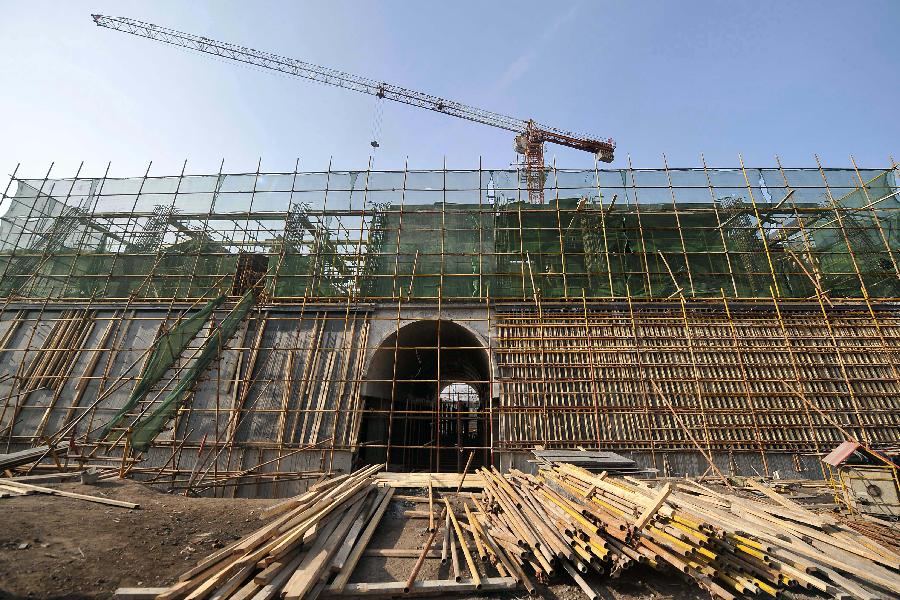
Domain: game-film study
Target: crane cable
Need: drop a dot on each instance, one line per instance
(377, 118)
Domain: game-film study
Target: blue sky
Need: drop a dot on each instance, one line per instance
(680, 78)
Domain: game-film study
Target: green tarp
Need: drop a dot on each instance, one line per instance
(164, 353)
(148, 428)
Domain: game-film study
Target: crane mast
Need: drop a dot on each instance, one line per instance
(530, 137)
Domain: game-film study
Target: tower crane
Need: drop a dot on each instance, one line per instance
(530, 135)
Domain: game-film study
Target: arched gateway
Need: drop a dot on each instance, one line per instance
(426, 399)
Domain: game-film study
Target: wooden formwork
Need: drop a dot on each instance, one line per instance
(752, 378)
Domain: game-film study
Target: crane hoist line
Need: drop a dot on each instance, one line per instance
(530, 135)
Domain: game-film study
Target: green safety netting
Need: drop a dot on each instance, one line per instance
(165, 351)
(459, 235)
(148, 428)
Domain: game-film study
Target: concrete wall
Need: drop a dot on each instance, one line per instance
(474, 318)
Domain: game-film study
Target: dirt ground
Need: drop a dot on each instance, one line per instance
(54, 547)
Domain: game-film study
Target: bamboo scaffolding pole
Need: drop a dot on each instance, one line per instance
(756, 375)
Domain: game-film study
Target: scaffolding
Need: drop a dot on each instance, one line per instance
(384, 236)
(748, 313)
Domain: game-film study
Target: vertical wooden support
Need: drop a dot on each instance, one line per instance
(675, 211)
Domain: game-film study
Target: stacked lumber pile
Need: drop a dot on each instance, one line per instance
(568, 519)
(314, 535)
(311, 548)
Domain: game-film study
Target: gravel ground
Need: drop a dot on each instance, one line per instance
(54, 547)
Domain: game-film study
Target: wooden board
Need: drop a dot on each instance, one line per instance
(420, 588)
(651, 510)
(97, 499)
(420, 480)
(139, 593)
(400, 553)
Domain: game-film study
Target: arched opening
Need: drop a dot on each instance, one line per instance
(426, 399)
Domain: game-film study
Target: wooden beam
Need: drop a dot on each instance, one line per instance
(420, 588)
(654, 506)
(317, 559)
(420, 480)
(431, 504)
(139, 593)
(399, 553)
(97, 499)
(344, 576)
(813, 518)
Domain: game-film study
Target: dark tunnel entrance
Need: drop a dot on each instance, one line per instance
(426, 400)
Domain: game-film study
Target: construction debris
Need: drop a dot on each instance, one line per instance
(752, 310)
(20, 488)
(7, 491)
(563, 522)
(867, 479)
(23, 457)
(886, 533)
(316, 540)
(314, 535)
(568, 519)
(48, 478)
(593, 461)
(416, 480)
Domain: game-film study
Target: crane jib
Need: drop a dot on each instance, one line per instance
(535, 131)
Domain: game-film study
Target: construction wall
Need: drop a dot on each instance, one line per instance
(747, 316)
(726, 379)
(285, 385)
